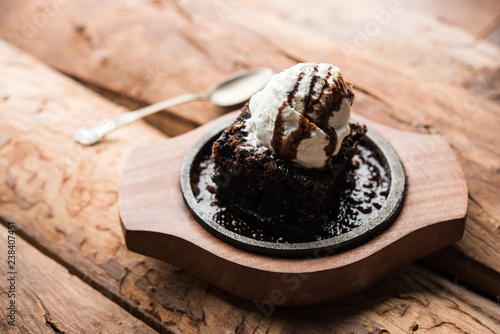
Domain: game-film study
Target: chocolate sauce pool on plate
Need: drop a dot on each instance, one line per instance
(361, 195)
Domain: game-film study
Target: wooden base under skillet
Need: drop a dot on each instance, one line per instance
(156, 222)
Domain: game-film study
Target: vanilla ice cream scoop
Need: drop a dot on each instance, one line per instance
(302, 114)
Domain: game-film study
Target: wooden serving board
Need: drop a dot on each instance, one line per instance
(157, 222)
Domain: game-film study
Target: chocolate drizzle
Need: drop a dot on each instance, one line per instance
(317, 112)
(279, 131)
(292, 89)
(286, 147)
(307, 99)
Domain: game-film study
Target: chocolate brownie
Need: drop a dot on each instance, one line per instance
(274, 193)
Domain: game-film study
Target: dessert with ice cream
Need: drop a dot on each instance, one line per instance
(280, 163)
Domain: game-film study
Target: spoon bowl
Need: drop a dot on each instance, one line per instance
(239, 87)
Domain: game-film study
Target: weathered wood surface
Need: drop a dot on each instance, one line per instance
(476, 16)
(63, 200)
(186, 46)
(48, 299)
(412, 70)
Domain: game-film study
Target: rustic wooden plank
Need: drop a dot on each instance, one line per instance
(494, 34)
(49, 299)
(397, 33)
(63, 200)
(395, 304)
(472, 15)
(144, 74)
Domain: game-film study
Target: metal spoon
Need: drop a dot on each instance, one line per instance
(235, 89)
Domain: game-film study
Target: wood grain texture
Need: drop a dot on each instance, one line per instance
(414, 71)
(472, 15)
(63, 199)
(394, 302)
(170, 299)
(494, 34)
(158, 223)
(408, 33)
(49, 299)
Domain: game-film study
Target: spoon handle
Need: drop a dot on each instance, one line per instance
(93, 134)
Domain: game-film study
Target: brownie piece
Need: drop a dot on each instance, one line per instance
(273, 193)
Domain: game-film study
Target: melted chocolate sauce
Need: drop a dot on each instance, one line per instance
(307, 99)
(317, 113)
(286, 147)
(361, 195)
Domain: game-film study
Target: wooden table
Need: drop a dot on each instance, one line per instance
(417, 67)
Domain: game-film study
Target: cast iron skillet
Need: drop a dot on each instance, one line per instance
(370, 229)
